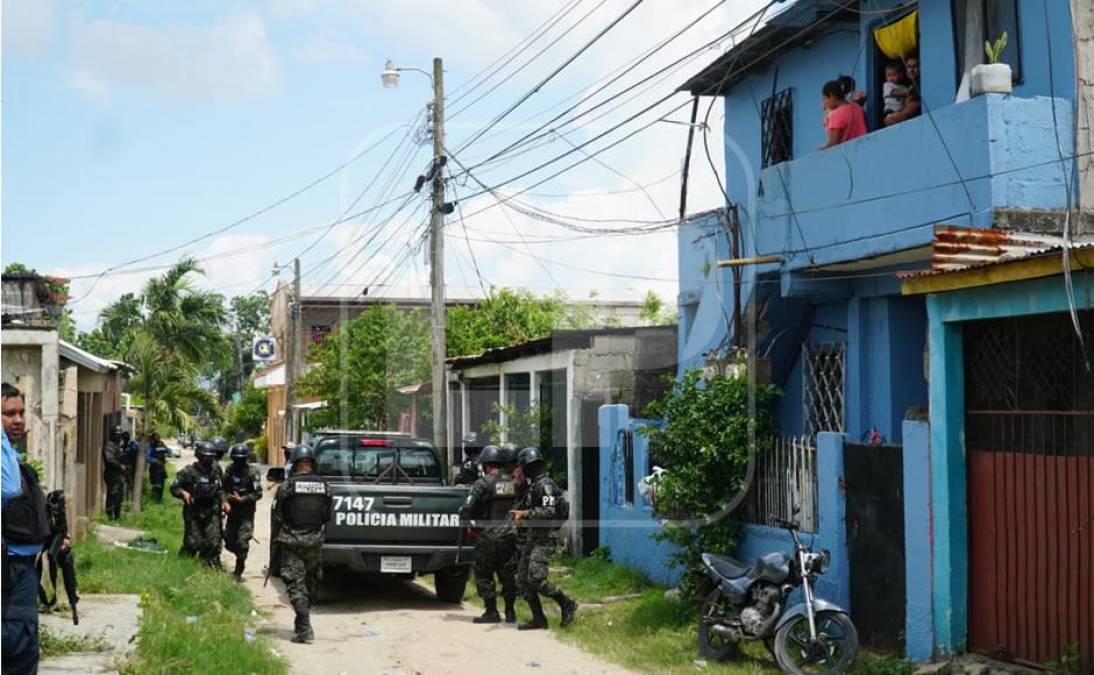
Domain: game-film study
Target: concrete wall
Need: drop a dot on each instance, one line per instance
(626, 528)
(30, 362)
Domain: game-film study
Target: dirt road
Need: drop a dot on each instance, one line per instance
(364, 626)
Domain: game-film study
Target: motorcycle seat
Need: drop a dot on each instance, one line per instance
(727, 567)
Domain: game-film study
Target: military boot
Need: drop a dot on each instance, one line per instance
(491, 614)
(510, 609)
(567, 606)
(302, 631)
(539, 621)
(240, 565)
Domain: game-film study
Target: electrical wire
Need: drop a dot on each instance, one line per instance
(626, 69)
(508, 56)
(550, 76)
(529, 62)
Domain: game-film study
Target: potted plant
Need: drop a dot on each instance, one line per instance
(57, 287)
(993, 77)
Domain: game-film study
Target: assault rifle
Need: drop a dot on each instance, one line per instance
(58, 556)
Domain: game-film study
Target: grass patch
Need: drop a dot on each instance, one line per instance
(194, 618)
(57, 644)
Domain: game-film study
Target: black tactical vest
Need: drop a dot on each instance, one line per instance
(308, 498)
(502, 496)
(205, 489)
(25, 517)
(238, 481)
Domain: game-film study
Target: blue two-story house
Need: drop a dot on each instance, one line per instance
(799, 271)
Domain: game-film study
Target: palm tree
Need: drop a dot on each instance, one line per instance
(178, 330)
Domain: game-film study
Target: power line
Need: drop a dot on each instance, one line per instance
(528, 40)
(528, 62)
(535, 89)
(532, 135)
(232, 225)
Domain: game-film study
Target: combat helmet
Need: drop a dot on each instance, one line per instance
(529, 456)
(204, 449)
(301, 452)
(240, 451)
(492, 454)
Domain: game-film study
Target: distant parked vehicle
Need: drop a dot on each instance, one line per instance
(174, 451)
(749, 602)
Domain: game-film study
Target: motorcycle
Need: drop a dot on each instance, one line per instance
(751, 603)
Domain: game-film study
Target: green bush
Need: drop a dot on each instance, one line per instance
(260, 445)
(709, 427)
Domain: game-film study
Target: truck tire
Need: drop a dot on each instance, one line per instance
(450, 584)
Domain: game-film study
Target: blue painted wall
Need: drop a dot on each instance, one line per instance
(626, 528)
(918, 619)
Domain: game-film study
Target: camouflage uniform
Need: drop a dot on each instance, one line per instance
(300, 543)
(488, 503)
(538, 535)
(157, 471)
(114, 477)
(246, 481)
(201, 516)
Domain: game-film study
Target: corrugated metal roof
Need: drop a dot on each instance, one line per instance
(962, 248)
(84, 358)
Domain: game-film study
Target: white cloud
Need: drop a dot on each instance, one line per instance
(231, 60)
(320, 49)
(27, 26)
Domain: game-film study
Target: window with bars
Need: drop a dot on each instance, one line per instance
(777, 127)
(822, 386)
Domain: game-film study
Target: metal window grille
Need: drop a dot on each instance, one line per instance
(822, 386)
(785, 480)
(777, 124)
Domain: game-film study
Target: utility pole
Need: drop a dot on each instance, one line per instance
(436, 257)
(297, 336)
(292, 353)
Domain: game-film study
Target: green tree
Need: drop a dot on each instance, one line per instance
(18, 268)
(358, 369)
(509, 316)
(246, 417)
(655, 312)
(707, 428)
(248, 317)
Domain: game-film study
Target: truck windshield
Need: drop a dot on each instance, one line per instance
(342, 458)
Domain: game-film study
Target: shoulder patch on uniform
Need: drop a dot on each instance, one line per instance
(548, 488)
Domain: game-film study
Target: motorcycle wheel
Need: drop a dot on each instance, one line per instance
(711, 645)
(833, 652)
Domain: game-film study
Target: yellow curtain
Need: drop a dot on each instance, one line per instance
(898, 39)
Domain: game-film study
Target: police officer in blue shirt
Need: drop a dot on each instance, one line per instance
(25, 529)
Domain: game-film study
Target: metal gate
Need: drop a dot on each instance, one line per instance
(874, 481)
(1029, 437)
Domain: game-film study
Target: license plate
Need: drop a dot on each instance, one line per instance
(396, 564)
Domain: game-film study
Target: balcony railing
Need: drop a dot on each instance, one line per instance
(884, 192)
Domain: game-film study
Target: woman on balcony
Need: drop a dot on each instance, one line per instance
(845, 120)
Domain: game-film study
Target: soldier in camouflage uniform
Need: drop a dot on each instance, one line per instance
(302, 507)
(539, 515)
(488, 504)
(198, 486)
(243, 487)
(114, 468)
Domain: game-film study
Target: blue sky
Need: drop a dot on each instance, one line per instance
(132, 127)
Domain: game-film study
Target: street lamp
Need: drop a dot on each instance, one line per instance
(389, 76)
(390, 79)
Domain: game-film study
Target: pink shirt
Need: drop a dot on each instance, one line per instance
(849, 118)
